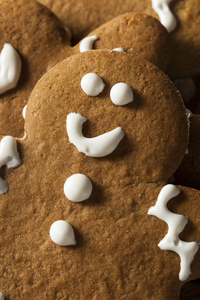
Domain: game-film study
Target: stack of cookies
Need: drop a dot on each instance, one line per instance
(99, 180)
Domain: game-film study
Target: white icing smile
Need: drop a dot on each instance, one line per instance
(10, 68)
(99, 146)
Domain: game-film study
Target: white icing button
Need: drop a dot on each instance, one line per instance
(87, 43)
(77, 188)
(2, 297)
(167, 18)
(24, 111)
(176, 223)
(99, 146)
(121, 94)
(119, 49)
(92, 84)
(9, 156)
(10, 68)
(62, 233)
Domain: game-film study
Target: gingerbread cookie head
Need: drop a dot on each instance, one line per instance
(94, 91)
(29, 51)
(104, 131)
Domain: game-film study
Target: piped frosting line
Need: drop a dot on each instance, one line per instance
(98, 146)
(176, 224)
(167, 18)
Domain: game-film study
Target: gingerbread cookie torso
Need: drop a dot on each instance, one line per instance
(107, 129)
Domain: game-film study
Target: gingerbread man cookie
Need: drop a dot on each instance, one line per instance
(176, 15)
(33, 40)
(84, 214)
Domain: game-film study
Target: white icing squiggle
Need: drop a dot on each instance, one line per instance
(176, 224)
(92, 84)
(99, 146)
(77, 187)
(9, 156)
(167, 18)
(10, 68)
(62, 233)
(87, 43)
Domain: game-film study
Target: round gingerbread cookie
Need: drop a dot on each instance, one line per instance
(104, 132)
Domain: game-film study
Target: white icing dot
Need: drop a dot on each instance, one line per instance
(77, 188)
(92, 84)
(99, 146)
(62, 233)
(24, 111)
(10, 68)
(121, 94)
(87, 43)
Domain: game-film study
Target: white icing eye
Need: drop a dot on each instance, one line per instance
(121, 94)
(92, 84)
(77, 188)
(62, 233)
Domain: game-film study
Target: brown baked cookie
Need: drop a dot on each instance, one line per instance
(37, 40)
(107, 128)
(85, 15)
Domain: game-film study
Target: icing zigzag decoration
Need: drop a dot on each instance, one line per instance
(176, 224)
